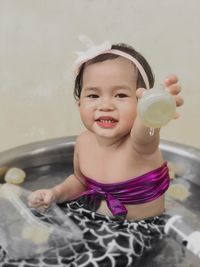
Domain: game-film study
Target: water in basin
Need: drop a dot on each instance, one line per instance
(50, 165)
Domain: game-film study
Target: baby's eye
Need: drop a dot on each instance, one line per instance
(121, 95)
(93, 96)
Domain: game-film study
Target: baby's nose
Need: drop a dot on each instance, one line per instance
(106, 105)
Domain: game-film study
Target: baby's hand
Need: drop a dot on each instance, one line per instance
(171, 82)
(41, 199)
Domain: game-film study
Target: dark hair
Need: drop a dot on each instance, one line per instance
(102, 57)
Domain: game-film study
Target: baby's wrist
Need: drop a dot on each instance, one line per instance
(56, 194)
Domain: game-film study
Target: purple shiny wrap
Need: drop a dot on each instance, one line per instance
(139, 190)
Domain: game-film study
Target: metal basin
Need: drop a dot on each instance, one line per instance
(47, 163)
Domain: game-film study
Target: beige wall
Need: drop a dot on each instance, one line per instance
(37, 43)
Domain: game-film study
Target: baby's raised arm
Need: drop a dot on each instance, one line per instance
(142, 140)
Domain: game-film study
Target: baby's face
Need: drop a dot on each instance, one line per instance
(108, 98)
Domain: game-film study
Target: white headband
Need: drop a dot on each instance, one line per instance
(104, 48)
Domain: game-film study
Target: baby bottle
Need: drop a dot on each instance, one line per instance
(156, 107)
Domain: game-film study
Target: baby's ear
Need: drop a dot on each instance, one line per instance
(78, 103)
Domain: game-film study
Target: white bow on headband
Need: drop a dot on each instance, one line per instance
(92, 51)
(106, 47)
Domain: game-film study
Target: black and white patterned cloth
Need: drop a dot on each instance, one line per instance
(106, 242)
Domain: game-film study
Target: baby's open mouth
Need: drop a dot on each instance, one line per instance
(106, 122)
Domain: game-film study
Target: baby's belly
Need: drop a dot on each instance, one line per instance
(137, 212)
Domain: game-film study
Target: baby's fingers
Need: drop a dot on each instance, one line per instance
(174, 89)
(170, 80)
(49, 198)
(140, 92)
(176, 115)
(41, 209)
(179, 100)
(34, 200)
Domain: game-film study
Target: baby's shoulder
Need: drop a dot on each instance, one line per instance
(84, 138)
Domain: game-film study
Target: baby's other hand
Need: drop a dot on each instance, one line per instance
(174, 88)
(41, 199)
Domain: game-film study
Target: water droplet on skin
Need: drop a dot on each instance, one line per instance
(151, 131)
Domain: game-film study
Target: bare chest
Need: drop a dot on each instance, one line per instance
(109, 166)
